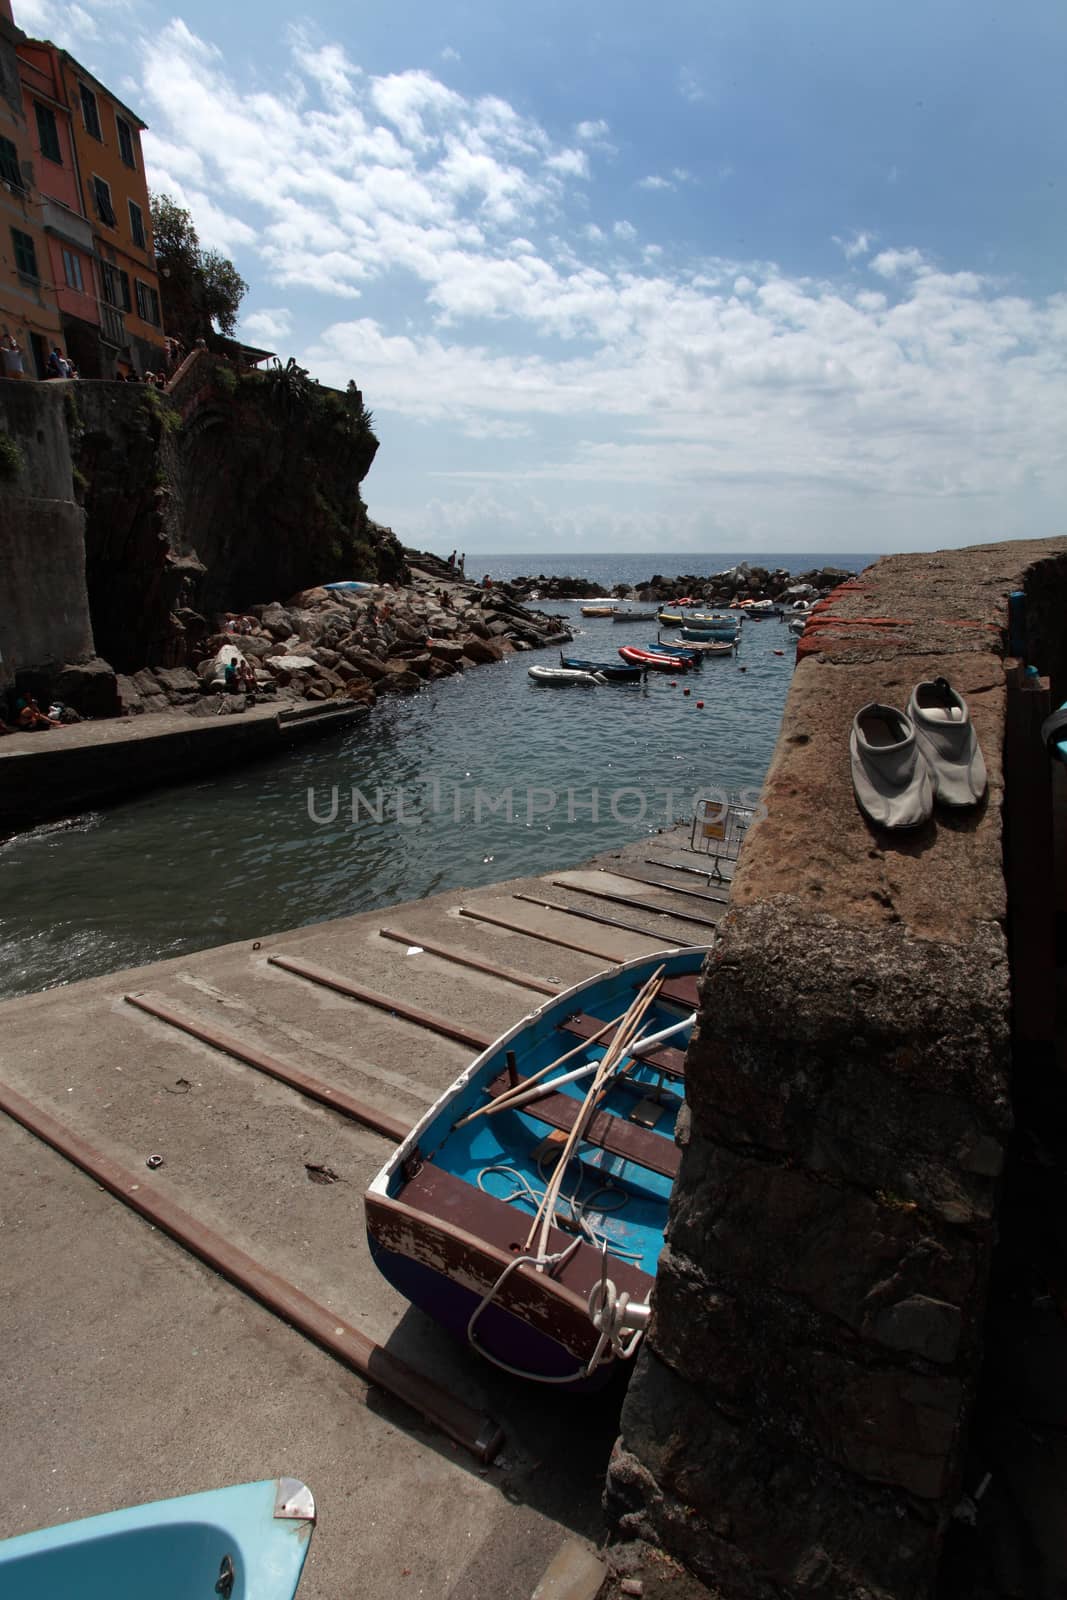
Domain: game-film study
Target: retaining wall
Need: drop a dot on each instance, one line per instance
(796, 1423)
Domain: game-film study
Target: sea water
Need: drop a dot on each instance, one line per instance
(477, 778)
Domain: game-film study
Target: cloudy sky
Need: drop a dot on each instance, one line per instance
(691, 276)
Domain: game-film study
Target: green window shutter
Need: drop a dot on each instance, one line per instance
(10, 171)
(47, 132)
(25, 253)
(125, 142)
(137, 225)
(90, 115)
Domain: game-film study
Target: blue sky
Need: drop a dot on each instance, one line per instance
(617, 277)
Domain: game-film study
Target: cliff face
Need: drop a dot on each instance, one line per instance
(228, 492)
(44, 610)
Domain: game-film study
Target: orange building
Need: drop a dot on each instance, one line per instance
(68, 231)
(113, 195)
(29, 310)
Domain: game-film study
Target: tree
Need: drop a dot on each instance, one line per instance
(200, 289)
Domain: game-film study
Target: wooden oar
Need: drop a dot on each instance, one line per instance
(631, 1022)
(502, 1102)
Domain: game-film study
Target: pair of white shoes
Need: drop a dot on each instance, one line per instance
(903, 762)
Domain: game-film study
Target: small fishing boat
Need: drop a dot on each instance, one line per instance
(622, 615)
(614, 671)
(597, 611)
(796, 625)
(705, 647)
(525, 1211)
(686, 652)
(658, 660)
(670, 618)
(560, 676)
(706, 631)
(350, 586)
(248, 1541)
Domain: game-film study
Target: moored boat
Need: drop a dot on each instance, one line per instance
(597, 611)
(614, 671)
(687, 652)
(559, 676)
(249, 1541)
(526, 1210)
(658, 660)
(705, 647)
(622, 615)
(705, 631)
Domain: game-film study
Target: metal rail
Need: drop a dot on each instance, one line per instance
(524, 979)
(671, 888)
(474, 1430)
(548, 938)
(339, 1099)
(681, 866)
(635, 904)
(383, 1002)
(611, 922)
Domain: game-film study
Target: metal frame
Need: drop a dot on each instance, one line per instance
(719, 831)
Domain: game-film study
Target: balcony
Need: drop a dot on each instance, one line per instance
(112, 326)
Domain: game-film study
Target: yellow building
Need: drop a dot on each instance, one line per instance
(29, 311)
(114, 197)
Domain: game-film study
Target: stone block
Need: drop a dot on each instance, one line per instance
(88, 686)
(481, 651)
(176, 679)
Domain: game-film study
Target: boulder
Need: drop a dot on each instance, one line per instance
(310, 597)
(176, 680)
(368, 664)
(89, 686)
(129, 699)
(144, 682)
(400, 683)
(277, 622)
(482, 651)
(288, 665)
(445, 650)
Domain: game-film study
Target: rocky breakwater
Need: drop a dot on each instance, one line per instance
(334, 646)
(733, 586)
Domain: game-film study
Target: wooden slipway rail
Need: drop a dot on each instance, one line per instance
(383, 1002)
(524, 980)
(474, 1430)
(315, 1089)
(564, 944)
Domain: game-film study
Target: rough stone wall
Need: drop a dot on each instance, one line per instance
(44, 609)
(211, 498)
(796, 1421)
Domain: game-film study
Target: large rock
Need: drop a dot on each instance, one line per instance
(89, 686)
(482, 651)
(367, 663)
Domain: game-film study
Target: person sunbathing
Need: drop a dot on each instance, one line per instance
(31, 717)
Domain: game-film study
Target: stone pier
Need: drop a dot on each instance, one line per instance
(797, 1421)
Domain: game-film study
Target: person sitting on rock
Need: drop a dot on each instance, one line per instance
(230, 677)
(31, 717)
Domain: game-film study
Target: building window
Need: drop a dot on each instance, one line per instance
(125, 141)
(137, 225)
(72, 270)
(147, 304)
(25, 254)
(48, 133)
(116, 286)
(90, 115)
(102, 197)
(10, 171)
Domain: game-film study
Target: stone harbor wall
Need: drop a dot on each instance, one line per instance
(44, 606)
(797, 1421)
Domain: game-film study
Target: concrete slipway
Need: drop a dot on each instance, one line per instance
(134, 1372)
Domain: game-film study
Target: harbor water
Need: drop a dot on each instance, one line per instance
(478, 778)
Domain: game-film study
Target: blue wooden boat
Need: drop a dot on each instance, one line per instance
(248, 1542)
(526, 1210)
(724, 632)
(682, 652)
(617, 671)
(351, 586)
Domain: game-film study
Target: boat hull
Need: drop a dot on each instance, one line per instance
(615, 670)
(448, 1228)
(171, 1549)
(653, 660)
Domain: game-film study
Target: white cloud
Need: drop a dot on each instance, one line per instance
(891, 263)
(592, 130)
(624, 230)
(689, 85)
(655, 182)
(273, 323)
(860, 244)
(571, 163)
(449, 54)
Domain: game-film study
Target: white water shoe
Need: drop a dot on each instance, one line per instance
(890, 777)
(948, 742)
